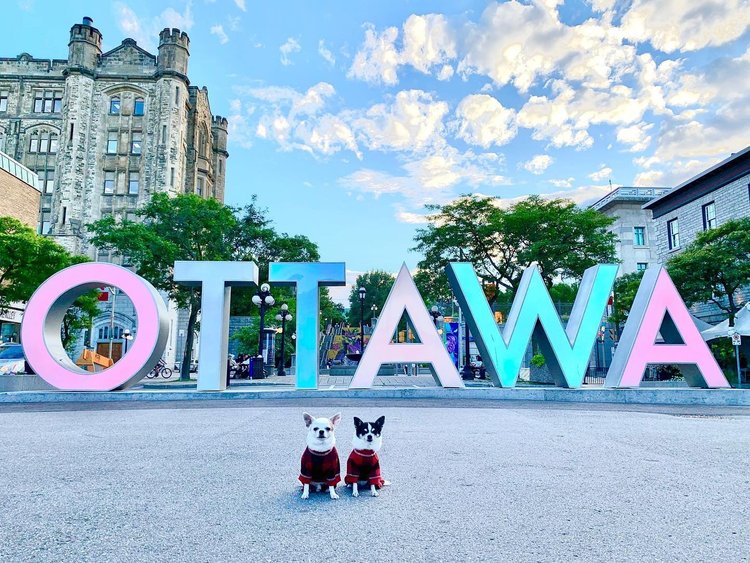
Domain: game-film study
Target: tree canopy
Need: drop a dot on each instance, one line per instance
(188, 227)
(562, 238)
(378, 284)
(714, 267)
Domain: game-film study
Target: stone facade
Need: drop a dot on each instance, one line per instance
(724, 189)
(19, 191)
(105, 131)
(636, 238)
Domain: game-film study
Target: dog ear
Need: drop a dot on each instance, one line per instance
(357, 422)
(308, 419)
(380, 422)
(335, 419)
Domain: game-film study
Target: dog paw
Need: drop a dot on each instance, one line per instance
(375, 494)
(305, 495)
(334, 496)
(355, 493)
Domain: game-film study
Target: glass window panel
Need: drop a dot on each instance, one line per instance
(109, 182)
(138, 107)
(114, 106)
(54, 143)
(135, 143)
(112, 142)
(133, 182)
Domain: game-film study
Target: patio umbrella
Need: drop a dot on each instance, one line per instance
(721, 330)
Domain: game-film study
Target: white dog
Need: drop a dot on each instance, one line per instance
(320, 461)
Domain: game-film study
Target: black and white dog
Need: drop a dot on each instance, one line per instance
(363, 465)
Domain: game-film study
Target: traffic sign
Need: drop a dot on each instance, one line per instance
(736, 339)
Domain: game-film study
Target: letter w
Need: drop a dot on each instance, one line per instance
(566, 350)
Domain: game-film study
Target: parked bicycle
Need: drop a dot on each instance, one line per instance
(160, 370)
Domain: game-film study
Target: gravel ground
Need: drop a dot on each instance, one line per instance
(526, 483)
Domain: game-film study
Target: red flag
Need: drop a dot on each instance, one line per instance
(104, 296)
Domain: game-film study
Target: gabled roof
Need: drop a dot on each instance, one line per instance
(130, 44)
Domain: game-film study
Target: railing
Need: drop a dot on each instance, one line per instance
(630, 193)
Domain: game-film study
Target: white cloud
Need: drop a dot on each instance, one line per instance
(538, 164)
(445, 73)
(241, 5)
(677, 25)
(562, 182)
(409, 217)
(378, 58)
(428, 41)
(145, 30)
(636, 136)
(482, 120)
(603, 173)
(218, 30)
(412, 121)
(326, 53)
(290, 46)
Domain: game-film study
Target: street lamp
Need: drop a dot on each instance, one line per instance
(373, 313)
(264, 301)
(362, 295)
(128, 337)
(284, 317)
(467, 372)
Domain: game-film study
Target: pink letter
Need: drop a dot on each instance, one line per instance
(40, 330)
(658, 308)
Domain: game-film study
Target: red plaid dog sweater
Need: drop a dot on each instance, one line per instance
(320, 468)
(363, 465)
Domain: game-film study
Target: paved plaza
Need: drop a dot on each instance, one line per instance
(504, 482)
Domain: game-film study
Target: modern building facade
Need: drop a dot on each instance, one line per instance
(19, 191)
(636, 239)
(105, 131)
(716, 195)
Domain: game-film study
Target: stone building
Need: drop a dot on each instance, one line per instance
(105, 131)
(716, 195)
(636, 239)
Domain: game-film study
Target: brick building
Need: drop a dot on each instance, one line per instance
(636, 239)
(716, 195)
(19, 191)
(103, 132)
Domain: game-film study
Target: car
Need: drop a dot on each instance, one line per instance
(12, 360)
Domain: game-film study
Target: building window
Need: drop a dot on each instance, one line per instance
(164, 134)
(171, 177)
(114, 105)
(135, 142)
(199, 187)
(3, 100)
(45, 223)
(709, 216)
(112, 142)
(639, 236)
(139, 106)
(202, 144)
(133, 182)
(109, 182)
(221, 166)
(44, 142)
(641, 266)
(47, 102)
(176, 95)
(673, 234)
(46, 181)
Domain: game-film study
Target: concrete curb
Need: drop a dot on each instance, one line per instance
(651, 396)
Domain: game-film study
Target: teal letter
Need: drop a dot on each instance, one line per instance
(308, 278)
(567, 351)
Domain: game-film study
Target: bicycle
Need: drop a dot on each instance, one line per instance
(160, 369)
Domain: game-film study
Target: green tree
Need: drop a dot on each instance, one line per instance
(28, 259)
(624, 290)
(714, 267)
(563, 239)
(378, 284)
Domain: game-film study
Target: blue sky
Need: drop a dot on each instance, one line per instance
(347, 117)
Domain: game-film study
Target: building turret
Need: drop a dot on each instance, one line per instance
(219, 128)
(173, 51)
(85, 46)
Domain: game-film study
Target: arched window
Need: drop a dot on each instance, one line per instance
(114, 105)
(44, 142)
(138, 106)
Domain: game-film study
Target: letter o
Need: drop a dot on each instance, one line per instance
(42, 342)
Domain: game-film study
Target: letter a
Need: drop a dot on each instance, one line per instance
(658, 308)
(404, 296)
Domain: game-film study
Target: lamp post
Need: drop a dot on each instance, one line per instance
(362, 295)
(467, 372)
(284, 317)
(128, 337)
(264, 301)
(373, 313)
